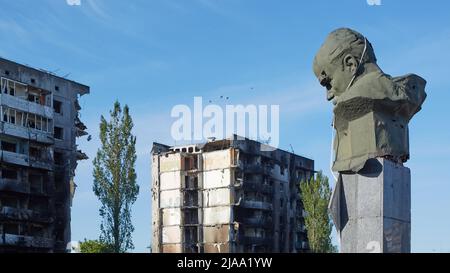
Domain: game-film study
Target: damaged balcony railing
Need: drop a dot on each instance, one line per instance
(10, 213)
(13, 185)
(25, 241)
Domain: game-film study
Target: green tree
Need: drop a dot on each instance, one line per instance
(316, 194)
(95, 246)
(115, 178)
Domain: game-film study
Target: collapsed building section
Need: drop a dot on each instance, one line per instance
(228, 196)
(38, 156)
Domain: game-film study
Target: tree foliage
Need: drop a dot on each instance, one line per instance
(95, 246)
(316, 194)
(115, 178)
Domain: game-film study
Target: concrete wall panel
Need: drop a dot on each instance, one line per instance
(217, 197)
(216, 234)
(217, 160)
(170, 199)
(171, 234)
(216, 179)
(171, 162)
(216, 215)
(170, 180)
(171, 217)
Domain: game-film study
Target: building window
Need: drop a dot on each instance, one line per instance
(9, 174)
(57, 106)
(35, 153)
(58, 158)
(59, 133)
(56, 88)
(32, 121)
(33, 98)
(11, 229)
(8, 87)
(33, 81)
(8, 146)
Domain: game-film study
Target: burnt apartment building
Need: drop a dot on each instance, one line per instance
(38, 130)
(228, 196)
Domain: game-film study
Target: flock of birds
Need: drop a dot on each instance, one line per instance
(227, 98)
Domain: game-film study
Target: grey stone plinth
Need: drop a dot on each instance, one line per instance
(372, 209)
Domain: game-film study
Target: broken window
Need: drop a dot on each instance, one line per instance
(191, 217)
(38, 204)
(9, 174)
(58, 158)
(9, 86)
(9, 228)
(35, 152)
(9, 202)
(191, 182)
(59, 133)
(33, 98)
(59, 182)
(12, 116)
(37, 231)
(12, 90)
(39, 123)
(36, 183)
(57, 106)
(31, 121)
(191, 198)
(190, 234)
(9, 115)
(190, 163)
(8, 146)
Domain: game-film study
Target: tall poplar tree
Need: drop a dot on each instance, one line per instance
(115, 178)
(316, 195)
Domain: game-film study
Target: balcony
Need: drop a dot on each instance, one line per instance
(26, 106)
(25, 160)
(14, 158)
(251, 204)
(26, 133)
(255, 169)
(257, 186)
(258, 221)
(41, 163)
(13, 185)
(25, 241)
(10, 213)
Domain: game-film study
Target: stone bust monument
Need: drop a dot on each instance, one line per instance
(371, 109)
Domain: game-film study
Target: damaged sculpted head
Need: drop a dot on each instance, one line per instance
(371, 109)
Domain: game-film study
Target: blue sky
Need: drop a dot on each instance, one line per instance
(154, 54)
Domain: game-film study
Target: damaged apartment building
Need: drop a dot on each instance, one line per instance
(38, 130)
(228, 196)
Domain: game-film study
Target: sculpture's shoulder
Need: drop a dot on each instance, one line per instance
(373, 85)
(413, 87)
(380, 86)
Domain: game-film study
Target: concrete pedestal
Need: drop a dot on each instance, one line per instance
(372, 209)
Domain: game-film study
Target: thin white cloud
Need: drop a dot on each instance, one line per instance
(98, 8)
(10, 28)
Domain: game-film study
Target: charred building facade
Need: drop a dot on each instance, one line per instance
(38, 130)
(228, 196)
